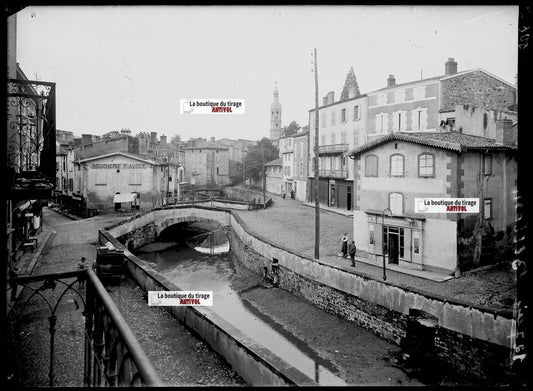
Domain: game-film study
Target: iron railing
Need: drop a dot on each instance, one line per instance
(333, 173)
(31, 126)
(113, 356)
(332, 148)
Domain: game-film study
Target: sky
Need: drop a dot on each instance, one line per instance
(128, 66)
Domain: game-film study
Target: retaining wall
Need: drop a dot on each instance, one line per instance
(257, 365)
(466, 338)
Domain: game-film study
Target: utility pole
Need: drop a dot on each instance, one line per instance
(212, 174)
(243, 169)
(317, 205)
(263, 174)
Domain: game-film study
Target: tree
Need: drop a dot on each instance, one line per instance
(305, 128)
(175, 139)
(252, 160)
(350, 85)
(292, 128)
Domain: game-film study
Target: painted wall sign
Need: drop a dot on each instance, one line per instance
(118, 165)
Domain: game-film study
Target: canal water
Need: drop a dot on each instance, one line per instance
(206, 265)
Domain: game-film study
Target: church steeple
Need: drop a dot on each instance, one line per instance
(275, 116)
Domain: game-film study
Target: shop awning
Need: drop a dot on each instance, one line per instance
(126, 197)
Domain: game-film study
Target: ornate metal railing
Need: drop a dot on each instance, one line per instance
(31, 123)
(333, 173)
(332, 148)
(113, 356)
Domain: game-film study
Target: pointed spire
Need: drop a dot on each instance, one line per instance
(351, 88)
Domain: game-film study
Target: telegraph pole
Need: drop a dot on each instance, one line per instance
(317, 204)
(263, 174)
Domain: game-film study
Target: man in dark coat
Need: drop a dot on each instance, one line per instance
(352, 250)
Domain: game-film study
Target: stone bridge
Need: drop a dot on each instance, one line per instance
(144, 229)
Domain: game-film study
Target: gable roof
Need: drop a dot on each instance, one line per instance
(129, 155)
(453, 141)
(276, 162)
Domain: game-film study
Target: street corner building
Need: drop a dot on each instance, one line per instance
(106, 180)
(393, 170)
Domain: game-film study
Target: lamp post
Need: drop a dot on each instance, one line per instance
(386, 210)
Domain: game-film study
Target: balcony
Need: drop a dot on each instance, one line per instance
(332, 149)
(31, 143)
(333, 173)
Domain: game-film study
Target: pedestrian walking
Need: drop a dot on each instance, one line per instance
(344, 245)
(292, 194)
(352, 250)
(284, 195)
(82, 266)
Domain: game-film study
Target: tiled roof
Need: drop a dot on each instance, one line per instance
(208, 145)
(277, 162)
(454, 141)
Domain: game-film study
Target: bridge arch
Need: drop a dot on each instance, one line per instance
(168, 222)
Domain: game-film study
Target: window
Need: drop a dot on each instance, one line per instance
(64, 165)
(487, 208)
(487, 164)
(301, 168)
(323, 139)
(396, 203)
(371, 234)
(135, 178)
(396, 165)
(71, 184)
(58, 183)
(416, 242)
(485, 121)
(371, 166)
(355, 113)
(332, 138)
(332, 118)
(323, 119)
(218, 173)
(399, 96)
(426, 166)
(79, 185)
(343, 115)
(382, 125)
(64, 183)
(290, 142)
(343, 137)
(399, 121)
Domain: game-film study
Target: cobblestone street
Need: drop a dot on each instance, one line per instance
(291, 224)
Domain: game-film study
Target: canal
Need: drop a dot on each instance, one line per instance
(202, 262)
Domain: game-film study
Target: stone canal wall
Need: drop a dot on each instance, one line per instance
(254, 363)
(471, 340)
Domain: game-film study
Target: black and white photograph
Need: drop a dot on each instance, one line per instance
(281, 195)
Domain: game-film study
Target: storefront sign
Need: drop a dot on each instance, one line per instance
(118, 165)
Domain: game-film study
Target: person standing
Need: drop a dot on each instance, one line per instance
(344, 246)
(352, 250)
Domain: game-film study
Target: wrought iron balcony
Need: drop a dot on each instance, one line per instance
(333, 173)
(332, 148)
(31, 138)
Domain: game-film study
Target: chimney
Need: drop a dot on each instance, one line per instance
(391, 81)
(504, 132)
(330, 97)
(163, 139)
(153, 137)
(86, 139)
(450, 67)
(212, 139)
(324, 100)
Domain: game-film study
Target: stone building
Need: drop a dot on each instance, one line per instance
(144, 182)
(206, 162)
(341, 127)
(421, 105)
(393, 170)
(274, 176)
(300, 164)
